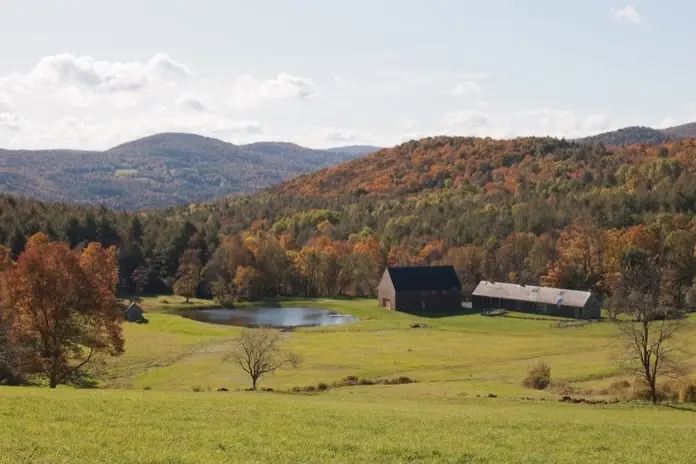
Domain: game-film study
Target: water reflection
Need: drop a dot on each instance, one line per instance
(270, 317)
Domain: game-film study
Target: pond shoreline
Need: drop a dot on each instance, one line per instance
(278, 317)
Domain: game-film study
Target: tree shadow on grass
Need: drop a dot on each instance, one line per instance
(441, 314)
(682, 408)
(83, 379)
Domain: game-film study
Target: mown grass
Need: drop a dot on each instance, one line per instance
(173, 353)
(70, 426)
(445, 417)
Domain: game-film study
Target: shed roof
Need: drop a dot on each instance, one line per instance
(134, 307)
(544, 295)
(424, 278)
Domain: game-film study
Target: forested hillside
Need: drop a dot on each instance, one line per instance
(641, 134)
(156, 171)
(533, 210)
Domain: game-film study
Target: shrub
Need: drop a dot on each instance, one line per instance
(641, 391)
(538, 377)
(687, 392)
(399, 381)
(350, 380)
(618, 387)
(197, 388)
(147, 387)
(366, 381)
(322, 387)
(296, 389)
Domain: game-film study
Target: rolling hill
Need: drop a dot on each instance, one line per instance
(642, 134)
(159, 170)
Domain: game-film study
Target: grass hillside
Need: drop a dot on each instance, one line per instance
(158, 402)
(156, 171)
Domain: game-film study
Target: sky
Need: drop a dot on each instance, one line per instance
(90, 74)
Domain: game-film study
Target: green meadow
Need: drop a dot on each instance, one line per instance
(158, 403)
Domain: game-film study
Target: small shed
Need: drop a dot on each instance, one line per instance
(420, 289)
(134, 313)
(533, 299)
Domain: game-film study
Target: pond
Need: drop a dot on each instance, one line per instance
(270, 317)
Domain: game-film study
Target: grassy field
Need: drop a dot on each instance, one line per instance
(158, 402)
(69, 426)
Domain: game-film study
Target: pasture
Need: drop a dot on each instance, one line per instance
(159, 401)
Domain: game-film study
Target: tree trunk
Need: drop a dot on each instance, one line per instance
(253, 383)
(653, 391)
(53, 382)
(187, 299)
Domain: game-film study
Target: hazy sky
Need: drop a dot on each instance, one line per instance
(94, 73)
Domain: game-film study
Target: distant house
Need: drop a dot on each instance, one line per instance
(532, 299)
(134, 313)
(420, 288)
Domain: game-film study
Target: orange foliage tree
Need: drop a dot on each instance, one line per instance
(62, 305)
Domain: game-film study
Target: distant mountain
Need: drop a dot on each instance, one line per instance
(159, 170)
(642, 134)
(358, 150)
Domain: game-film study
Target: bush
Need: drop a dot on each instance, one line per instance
(322, 387)
(350, 380)
(687, 392)
(641, 391)
(197, 389)
(147, 387)
(399, 381)
(618, 387)
(538, 377)
(366, 381)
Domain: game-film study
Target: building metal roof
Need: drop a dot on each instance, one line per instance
(424, 278)
(543, 295)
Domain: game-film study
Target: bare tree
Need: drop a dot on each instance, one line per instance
(257, 352)
(650, 340)
(650, 332)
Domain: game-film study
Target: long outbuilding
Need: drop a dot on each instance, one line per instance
(533, 299)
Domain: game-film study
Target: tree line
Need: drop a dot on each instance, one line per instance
(533, 211)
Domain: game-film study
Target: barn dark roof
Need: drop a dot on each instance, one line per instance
(424, 278)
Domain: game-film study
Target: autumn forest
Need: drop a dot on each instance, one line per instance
(530, 210)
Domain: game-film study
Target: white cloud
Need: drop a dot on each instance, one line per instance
(6, 103)
(247, 91)
(340, 135)
(11, 122)
(69, 70)
(539, 122)
(466, 88)
(189, 102)
(627, 14)
(70, 101)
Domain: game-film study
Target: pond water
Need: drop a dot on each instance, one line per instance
(271, 317)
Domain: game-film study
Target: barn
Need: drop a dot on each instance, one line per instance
(420, 289)
(134, 313)
(532, 299)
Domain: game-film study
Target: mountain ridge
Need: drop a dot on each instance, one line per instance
(158, 170)
(642, 134)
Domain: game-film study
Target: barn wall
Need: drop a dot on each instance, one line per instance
(429, 301)
(385, 290)
(482, 303)
(592, 309)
